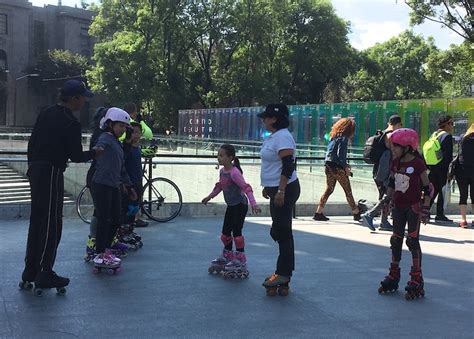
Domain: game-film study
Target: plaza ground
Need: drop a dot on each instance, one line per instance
(165, 291)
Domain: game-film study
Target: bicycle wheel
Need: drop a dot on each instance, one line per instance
(162, 200)
(85, 205)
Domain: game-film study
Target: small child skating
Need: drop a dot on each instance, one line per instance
(237, 195)
(107, 181)
(409, 193)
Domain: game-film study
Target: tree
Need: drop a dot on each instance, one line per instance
(60, 64)
(454, 69)
(170, 54)
(457, 15)
(395, 69)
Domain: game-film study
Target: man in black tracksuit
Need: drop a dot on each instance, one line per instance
(439, 173)
(56, 137)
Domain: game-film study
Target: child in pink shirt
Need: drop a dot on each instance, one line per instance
(237, 195)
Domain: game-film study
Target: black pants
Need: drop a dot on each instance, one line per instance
(438, 177)
(107, 205)
(46, 219)
(381, 207)
(402, 217)
(466, 186)
(234, 220)
(281, 230)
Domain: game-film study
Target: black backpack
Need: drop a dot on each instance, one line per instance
(374, 147)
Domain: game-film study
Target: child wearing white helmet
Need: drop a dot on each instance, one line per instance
(409, 192)
(109, 178)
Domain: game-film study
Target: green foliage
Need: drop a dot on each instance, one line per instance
(457, 15)
(60, 64)
(170, 54)
(167, 55)
(395, 69)
(454, 69)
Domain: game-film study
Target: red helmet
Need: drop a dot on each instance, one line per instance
(405, 137)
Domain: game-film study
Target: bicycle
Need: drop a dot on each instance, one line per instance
(162, 200)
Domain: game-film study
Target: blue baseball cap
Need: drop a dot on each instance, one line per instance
(75, 87)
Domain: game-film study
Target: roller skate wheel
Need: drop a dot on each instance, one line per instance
(38, 292)
(96, 270)
(61, 291)
(25, 285)
(381, 290)
(271, 292)
(283, 291)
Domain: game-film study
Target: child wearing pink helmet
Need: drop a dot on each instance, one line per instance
(409, 193)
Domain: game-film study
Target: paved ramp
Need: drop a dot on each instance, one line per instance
(165, 291)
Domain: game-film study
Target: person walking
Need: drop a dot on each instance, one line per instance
(381, 174)
(280, 185)
(56, 138)
(336, 167)
(438, 174)
(464, 174)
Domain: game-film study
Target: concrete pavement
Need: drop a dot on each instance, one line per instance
(165, 291)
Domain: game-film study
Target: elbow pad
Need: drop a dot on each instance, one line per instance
(391, 182)
(288, 166)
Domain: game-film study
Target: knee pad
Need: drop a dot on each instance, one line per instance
(239, 242)
(226, 239)
(396, 241)
(413, 243)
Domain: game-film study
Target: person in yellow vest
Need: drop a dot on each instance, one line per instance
(439, 173)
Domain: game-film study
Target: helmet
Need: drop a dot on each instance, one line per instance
(148, 152)
(405, 137)
(115, 114)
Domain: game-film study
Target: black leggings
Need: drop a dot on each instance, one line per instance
(107, 205)
(466, 185)
(401, 217)
(234, 220)
(438, 177)
(281, 230)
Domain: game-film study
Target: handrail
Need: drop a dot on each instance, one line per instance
(194, 156)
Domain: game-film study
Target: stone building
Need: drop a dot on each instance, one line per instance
(27, 32)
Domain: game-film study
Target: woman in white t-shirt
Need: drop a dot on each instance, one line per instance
(281, 186)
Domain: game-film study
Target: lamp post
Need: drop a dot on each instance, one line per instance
(24, 78)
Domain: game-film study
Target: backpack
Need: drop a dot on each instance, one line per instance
(432, 149)
(374, 147)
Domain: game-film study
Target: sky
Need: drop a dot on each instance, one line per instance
(372, 21)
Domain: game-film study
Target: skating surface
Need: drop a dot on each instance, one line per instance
(333, 293)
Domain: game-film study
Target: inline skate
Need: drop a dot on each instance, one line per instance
(218, 264)
(237, 267)
(414, 287)
(390, 283)
(108, 262)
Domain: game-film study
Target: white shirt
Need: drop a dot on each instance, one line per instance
(270, 171)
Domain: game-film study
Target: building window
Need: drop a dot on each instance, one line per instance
(3, 24)
(85, 31)
(39, 42)
(3, 60)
